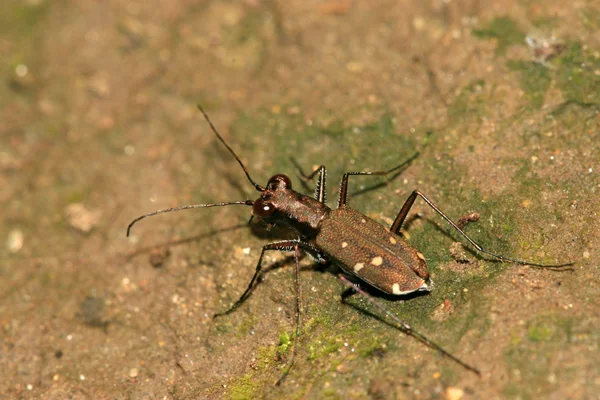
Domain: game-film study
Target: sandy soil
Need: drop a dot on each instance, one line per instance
(99, 125)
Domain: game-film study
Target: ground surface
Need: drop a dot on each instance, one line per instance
(99, 125)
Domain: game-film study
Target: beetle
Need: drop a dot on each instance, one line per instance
(363, 248)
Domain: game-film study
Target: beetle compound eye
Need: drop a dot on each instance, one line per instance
(263, 209)
(279, 180)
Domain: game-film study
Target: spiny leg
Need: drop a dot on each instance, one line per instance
(344, 185)
(284, 245)
(409, 203)
(298, 314)
(320, 190)
(407, 329)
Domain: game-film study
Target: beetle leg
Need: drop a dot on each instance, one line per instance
(406, 328)
(284, 245)
(320, 190)
(409, 203)
(298, 314)
(343, 200)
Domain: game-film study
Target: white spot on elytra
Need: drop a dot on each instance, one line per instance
(421, 256)
(377, 261)
(344, 245)
(392, 240)
(396, 289)
(358, 266)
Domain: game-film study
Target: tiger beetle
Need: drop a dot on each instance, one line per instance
(364, 249)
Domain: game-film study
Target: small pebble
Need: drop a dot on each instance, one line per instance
(81, 218)
(454, 393)
(14, 242)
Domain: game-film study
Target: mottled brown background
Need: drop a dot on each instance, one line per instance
(98, 125)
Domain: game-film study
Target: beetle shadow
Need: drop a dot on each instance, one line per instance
(234, 182)
(456, 237)
(481, 256)
(170, 243)
(275, 232)
(379, 185)
(378, 294)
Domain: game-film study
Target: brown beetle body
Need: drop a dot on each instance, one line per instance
(357, 244)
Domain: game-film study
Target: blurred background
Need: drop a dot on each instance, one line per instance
(99, 125)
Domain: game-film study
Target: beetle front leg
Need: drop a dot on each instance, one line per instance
(285, 245)
(298, 316)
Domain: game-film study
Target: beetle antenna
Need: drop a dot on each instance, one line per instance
(256, 185)
(166, 210)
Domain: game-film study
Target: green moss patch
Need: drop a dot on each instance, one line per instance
(504, 30)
